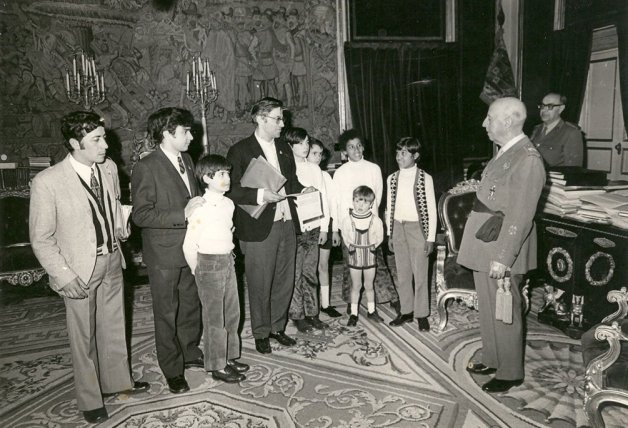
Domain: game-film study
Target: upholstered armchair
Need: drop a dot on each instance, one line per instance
(452, 280)
(605, 352)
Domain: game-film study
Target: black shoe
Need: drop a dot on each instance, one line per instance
(302, 326)
(331, 312)
(498, 385)
(424, 324)
(197, 363)
(402, 319)
(96, 416)
(353, 320)
(137, 388)
(316, 323)
(238, 366)
(479, 368)
(374, 316)
(228, 375)
(283, 338)
(396, 306)
(178, 384)
(263, 346)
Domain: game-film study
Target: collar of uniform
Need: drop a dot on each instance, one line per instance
(512, 142)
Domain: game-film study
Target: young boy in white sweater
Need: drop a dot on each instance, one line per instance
(411, 225)
(207, 248)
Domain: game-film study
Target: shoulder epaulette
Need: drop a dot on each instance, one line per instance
(572, 125)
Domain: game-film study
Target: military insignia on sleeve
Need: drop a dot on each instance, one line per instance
(512, 230)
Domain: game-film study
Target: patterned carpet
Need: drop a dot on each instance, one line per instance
(371, 375)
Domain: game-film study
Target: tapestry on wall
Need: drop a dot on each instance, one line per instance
(283, 49)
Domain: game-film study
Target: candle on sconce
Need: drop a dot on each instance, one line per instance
(94, 68)
(102, 83)
(67, 82)
(83, 63)
(214, 80)
(97, 84)
(187, 83)
(78, 82)
(74, 65)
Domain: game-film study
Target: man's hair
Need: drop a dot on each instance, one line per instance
(264, 106)
(167, 119)
(210, 165)
(77, 124)
(294, 136)
(562, 98)
(348, 135)
(364, 192)
(411, 144)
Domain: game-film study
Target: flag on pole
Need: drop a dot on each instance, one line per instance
(499, 81)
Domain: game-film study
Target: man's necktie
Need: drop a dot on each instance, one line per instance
(181, 166)
(93, 183)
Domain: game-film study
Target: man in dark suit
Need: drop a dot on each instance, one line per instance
(510, 188)
(269, 242)
(162, 184)
(559, 142)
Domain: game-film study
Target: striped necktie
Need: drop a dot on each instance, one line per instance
(181, 166)
(95, 186)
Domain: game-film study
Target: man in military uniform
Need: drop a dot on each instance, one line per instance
(559, 142)
(500, 239)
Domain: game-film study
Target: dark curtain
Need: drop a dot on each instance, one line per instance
(622, 41)
(386, 105)
(571, 53)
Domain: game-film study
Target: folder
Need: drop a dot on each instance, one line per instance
(260, 175)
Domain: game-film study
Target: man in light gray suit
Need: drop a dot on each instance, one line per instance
(74, 235)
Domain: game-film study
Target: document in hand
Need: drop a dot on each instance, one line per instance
(260, 175)
(309, 207)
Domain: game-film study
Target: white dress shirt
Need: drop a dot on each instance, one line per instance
(174, 159)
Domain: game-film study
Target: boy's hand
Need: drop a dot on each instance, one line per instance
(335, 239)
(193, 204)
(322, 238)
(391, 247)
(309, 189)
(270, 196)
(428, 247)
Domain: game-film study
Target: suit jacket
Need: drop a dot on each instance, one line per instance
(562, 146)
(159, 199)
(240, 154)
(511, 184)
(61, 226)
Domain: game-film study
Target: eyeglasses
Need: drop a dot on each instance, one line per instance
(278, 120)
(548, 106)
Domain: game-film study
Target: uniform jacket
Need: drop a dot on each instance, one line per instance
(240, 154)
(511, 184)
(424, 200)
(61, 226)
(159, 199)
(562, 146)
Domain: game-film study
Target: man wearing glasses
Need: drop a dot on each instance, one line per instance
(268, 242)
(559, 142)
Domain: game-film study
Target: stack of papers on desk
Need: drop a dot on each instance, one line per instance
(260, 175)
(613, 205)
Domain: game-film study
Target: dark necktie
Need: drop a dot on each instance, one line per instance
(93, 183)
(181, 166)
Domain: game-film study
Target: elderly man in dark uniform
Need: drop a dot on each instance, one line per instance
(559, 142)
(500, 239)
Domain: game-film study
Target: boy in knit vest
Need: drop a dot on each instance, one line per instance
(411, 225)
(207, 249)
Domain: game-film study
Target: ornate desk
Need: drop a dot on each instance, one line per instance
(579, 263)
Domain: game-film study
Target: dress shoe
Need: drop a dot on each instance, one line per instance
(137, 388)
(479, 368)
(228, 375)
(316, 323)
(197, 363)
(402, 319)
(499, 385)
(238, 366)
(283, 338)
(424, 324)
(96, 416)
(263, 346)
(177, 384)
(353, 320)
(374, 316)
(302, 326)
(331, 312)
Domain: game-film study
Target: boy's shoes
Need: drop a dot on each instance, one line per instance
(316, 323)
(499, 385)
(424, 324)
(96, 416)
(331, 312)
(238, 366)
(283, 338)
(374, 316)
(228, 375)
(353, 320)
(178, 384)
(402, 319)
(396, 306)
(197, 363)
(137, 388)
(302, 326)
(263, 346)
(479, 368)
